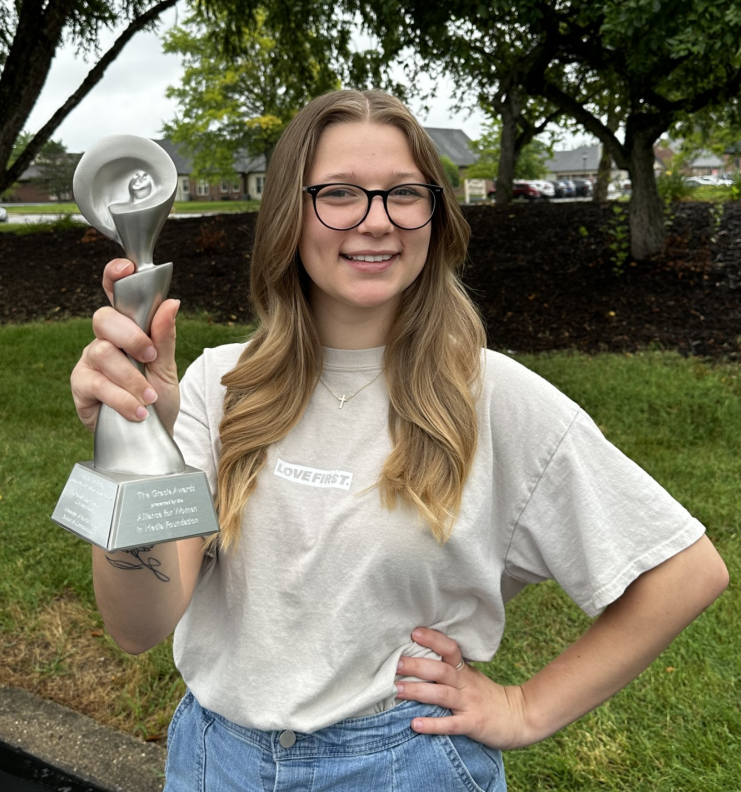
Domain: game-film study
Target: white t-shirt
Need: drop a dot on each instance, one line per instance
(304, 624)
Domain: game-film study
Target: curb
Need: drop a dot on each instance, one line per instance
(77, 745)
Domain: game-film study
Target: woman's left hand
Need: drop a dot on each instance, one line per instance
(480, 708)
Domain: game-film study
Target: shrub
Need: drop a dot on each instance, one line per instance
(674, 187)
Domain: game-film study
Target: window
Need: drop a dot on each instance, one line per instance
(202, 187)
(186, 186)
(225, 186)
(236, 186)
(260, 182)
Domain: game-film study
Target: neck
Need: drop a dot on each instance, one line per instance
(345, 327)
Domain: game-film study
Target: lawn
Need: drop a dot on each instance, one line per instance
(179, 207)
(677, 728)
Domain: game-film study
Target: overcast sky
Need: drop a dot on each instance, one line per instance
(131, 96)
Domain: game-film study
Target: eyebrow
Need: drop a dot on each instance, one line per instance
(352, 175)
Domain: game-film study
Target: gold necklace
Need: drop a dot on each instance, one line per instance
(342, 399)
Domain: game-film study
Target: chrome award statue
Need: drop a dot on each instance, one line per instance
(137, 490)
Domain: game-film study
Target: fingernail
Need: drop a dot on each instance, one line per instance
(121, 266)
(150, 397)
(400, 666)
(142, 413)
(399, 687)
(416, 634)
(417, 725)
(177, 308)
(149, 354)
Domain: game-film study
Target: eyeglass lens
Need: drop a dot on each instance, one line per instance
(342, 206)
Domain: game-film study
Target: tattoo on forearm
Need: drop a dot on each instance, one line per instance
(149, 563)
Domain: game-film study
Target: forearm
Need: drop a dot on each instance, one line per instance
(142, 593)
(630, 634)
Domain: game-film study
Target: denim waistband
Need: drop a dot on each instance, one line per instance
(346, 738)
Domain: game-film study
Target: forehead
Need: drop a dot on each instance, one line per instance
(362, 151)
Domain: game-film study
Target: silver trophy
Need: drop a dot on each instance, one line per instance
(137, 490)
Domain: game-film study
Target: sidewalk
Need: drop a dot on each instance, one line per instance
(75, 744)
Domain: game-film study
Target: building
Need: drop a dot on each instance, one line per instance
(580, 163)
(248, 183)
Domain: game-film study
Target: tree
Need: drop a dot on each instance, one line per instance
(31, 32)
(236, 104)
(57, 169)
(530, 163)
(663, 60)
(451, 171)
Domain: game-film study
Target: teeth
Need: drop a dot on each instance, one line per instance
(369, 258)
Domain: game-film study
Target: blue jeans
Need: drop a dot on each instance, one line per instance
(379, 753)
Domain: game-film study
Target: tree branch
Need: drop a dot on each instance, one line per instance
(93, 77)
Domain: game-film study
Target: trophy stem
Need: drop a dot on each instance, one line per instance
(123, 446)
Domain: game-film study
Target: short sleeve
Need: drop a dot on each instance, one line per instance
(192, 431)
(595, 521)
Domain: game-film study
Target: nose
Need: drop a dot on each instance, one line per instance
(376, 221)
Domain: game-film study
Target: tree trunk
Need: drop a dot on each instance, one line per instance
(509, 110)
(647, 232)
(605, 164)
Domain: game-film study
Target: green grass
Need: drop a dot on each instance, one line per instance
(673, 730)
(46, 208)
(178, 206)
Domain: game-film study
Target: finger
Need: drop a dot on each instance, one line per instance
(90, 388)
(450, 724)
(119, 330)
(446, 647)
(104, 359)
(430, 670)
(430, 693)
(164, 335)
(114, 271)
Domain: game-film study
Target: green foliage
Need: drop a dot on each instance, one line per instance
(530, 163)
(736, 186)
(673, 186)
(237, 105)
(618, 238)
(451, 171)
(57, 169)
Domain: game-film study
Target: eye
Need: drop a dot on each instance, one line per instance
(406, 191)
(339, 192)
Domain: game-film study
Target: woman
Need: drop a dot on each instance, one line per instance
(384, 485)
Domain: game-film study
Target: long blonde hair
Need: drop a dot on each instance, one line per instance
(432, 355)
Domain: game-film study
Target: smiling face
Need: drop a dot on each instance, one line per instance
(358, 276)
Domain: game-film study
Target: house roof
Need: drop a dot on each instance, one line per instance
(453, 143)
(242, 164)
(706, 159)
(573, 161)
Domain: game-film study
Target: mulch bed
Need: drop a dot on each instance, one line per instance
(542, 275)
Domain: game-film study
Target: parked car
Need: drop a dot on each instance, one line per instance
(584, 188)
(562, 189)
(521, 190)
(3, 215)
(545, 188)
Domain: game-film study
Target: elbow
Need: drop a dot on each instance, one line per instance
(136, 644)
(719, 579)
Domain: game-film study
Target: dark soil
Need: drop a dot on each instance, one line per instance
(543, 276)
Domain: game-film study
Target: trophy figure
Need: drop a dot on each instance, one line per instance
(137, 490)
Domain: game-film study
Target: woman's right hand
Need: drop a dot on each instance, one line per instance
(105, 375)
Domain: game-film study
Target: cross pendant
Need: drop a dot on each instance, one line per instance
(342, 400)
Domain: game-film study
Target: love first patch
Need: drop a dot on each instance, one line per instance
(313, 477)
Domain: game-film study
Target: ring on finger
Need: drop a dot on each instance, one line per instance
(460, 665)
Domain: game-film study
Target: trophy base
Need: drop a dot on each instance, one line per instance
(117, 511)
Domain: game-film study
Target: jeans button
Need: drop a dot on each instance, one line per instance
(287, 738)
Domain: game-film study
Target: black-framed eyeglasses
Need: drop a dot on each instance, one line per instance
(341, 206)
